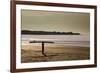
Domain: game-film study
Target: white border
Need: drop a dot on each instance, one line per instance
(20, 65)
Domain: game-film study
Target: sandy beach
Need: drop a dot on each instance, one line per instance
(31, 53)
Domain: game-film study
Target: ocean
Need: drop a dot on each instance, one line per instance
(59, 40)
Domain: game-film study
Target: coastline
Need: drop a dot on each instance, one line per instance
(33, 53)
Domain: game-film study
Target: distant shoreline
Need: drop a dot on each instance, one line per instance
(29, 32)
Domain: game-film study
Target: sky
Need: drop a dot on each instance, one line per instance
(55, 21)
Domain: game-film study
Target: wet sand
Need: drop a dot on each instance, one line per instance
(31, 53)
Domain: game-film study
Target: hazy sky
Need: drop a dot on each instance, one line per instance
(55, 21)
